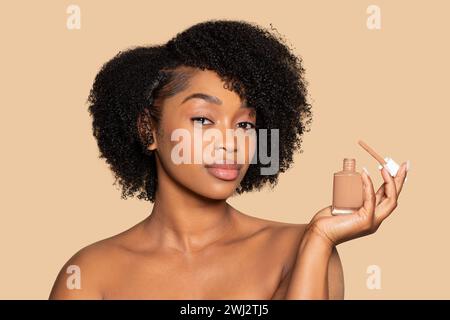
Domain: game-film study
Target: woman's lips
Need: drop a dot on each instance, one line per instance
(224, 171)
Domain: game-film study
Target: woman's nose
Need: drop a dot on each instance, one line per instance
(227, 141)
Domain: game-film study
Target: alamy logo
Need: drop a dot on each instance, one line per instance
(373, 281)
(74, 280)
(219, 149)
(74, 18)
(374, 18)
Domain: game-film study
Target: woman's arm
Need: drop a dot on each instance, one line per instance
(335, 276)
(336, 287)
(309, 279)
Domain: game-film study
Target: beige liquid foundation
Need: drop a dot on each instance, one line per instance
(347, 189)
(348, 193)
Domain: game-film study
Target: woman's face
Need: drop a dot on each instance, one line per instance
(203, 126)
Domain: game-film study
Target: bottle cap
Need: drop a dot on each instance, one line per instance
(391, 166)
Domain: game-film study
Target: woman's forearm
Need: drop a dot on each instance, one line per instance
(309, 278)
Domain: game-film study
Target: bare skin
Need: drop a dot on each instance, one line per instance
(194, 245)
(253, 261)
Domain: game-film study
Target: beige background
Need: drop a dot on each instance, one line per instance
(388, 87)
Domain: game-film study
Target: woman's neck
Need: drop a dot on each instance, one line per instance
(186, 221)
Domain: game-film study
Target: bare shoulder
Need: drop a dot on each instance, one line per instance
(89, 270)
(284, 231)
(282, 237)
(287, 238)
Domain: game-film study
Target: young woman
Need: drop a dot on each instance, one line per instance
(222, 75)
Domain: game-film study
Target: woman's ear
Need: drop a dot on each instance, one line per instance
(146, 130)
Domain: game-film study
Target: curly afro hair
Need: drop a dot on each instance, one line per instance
(253, 62)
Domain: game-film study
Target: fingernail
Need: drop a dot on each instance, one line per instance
(365, 170)
(407, 166)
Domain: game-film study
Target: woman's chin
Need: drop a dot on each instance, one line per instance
(218, 190)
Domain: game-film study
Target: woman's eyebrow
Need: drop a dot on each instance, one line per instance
(208, 98)
(204, 96)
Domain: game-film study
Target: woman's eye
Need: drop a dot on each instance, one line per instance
(202, 120)
(246, 125)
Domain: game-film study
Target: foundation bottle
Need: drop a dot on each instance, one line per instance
(347, 189)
